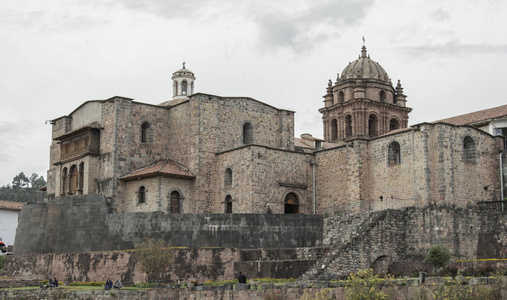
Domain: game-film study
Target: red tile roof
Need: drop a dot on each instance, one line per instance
(477, 116)
(9, 205)
(166, 168)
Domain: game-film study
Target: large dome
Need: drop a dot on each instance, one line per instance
(364, 67)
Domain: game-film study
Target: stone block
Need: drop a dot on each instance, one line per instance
(478, 281)
(242, 286)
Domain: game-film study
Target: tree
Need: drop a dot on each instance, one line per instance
(438, 256)
(20, 181)
(37, 182)
(155, 257)
(24, 189)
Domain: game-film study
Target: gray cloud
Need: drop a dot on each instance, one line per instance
(12, 136)
(176, 9)
(440, 15)
(50, 17)
(299, 28)
(307, 28)
(454, 48)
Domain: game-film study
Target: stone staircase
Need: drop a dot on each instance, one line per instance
(345, 237)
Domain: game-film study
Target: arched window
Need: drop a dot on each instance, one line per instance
(175, 88)
(184, 87)
(175, 205)
(348, 125)
(382, 96)
(334, 129)
(81, 178)
(141, 195)
(73, 179)
(228, 177)
(145, 132)
(65, 181)
(341, 97)
(228, 204)
(469, 150)
(394, 124)
(393, 154)
(373, 125)
(291, 203)
(247, 133)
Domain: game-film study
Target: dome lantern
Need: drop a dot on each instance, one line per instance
(183, 83)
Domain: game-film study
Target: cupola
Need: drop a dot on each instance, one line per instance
(364, 68)
(362, 102)
(183, 83)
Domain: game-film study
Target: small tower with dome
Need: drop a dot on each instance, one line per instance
(183, 83)
(363, 103)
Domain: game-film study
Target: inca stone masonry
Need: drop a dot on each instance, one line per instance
(122, 170)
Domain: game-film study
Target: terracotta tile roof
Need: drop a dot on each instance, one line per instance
(166, 168)
(477, 116)
(10, 205)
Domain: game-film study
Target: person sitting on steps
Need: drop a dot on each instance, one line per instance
(109, 284)
(241, 278)
(117, 284)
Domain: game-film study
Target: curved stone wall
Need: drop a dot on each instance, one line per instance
(84, 223)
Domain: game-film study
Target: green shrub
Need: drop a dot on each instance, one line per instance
(320, 294)
(363, 285)
(91, 283)
(450, 291)
(155, 257)
(438, 256)
(222, 282)
(273, 280)
(145, 285)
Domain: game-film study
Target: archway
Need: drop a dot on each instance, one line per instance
(380, 265)
(73, 180)
(291, 203)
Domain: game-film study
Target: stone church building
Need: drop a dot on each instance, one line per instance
(201, 153)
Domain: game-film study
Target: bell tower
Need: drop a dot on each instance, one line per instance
(363, 102)
(183, 83)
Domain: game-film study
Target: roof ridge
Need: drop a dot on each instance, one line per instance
(477, 113)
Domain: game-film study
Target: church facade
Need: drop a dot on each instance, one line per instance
(201, 153)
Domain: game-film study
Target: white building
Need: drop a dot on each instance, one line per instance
(9, 220)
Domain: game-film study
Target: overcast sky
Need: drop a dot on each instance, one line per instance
(451, 57)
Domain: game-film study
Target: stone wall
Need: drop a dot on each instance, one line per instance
(262, 176)
(220, 292)
(157, 194)
(215, 230)
(218, 126)
(432, 169)
(202, 264)
(122, 150)
(87, 222)
(365, 240)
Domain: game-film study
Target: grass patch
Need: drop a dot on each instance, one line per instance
(21, 288)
